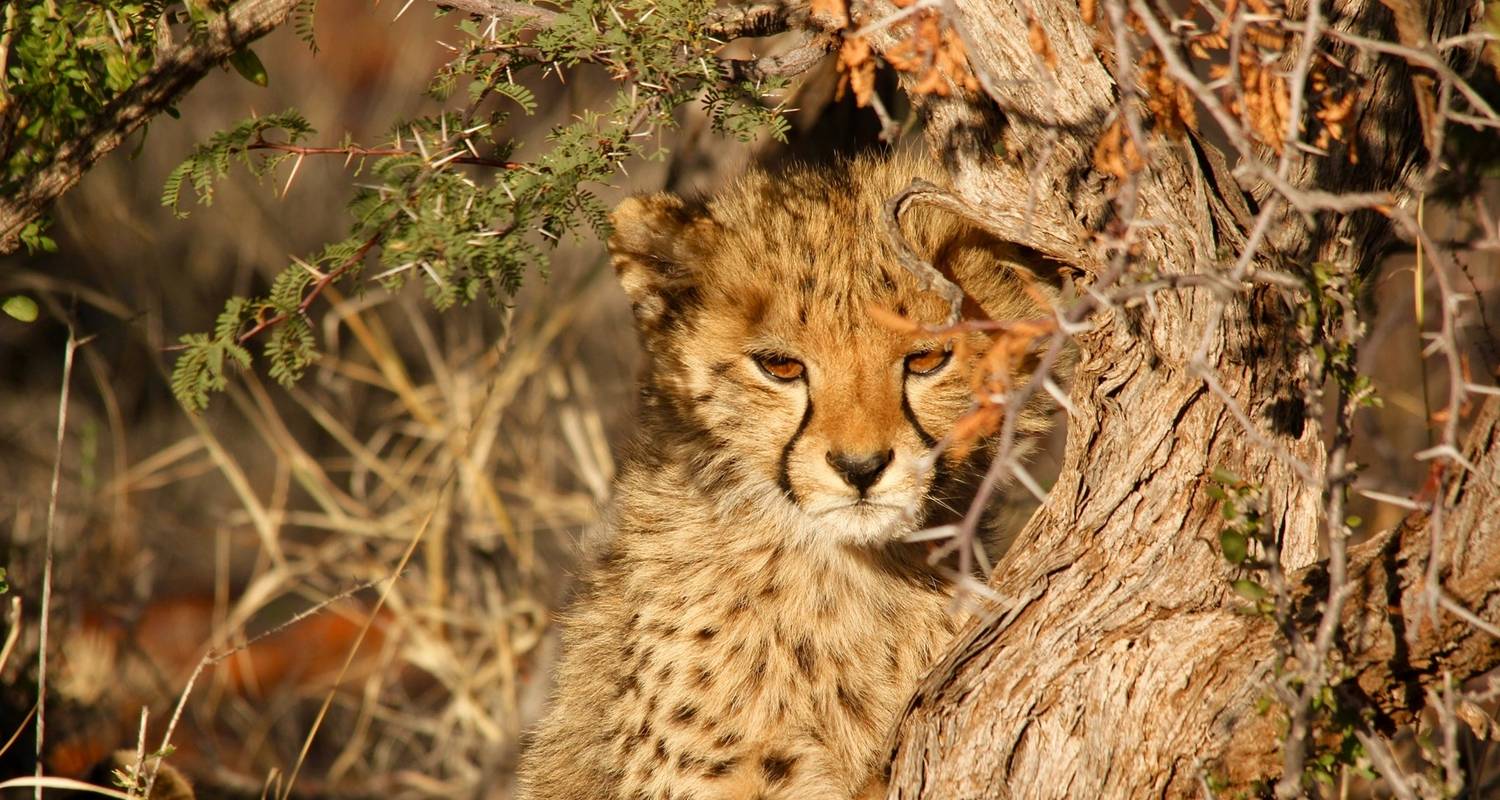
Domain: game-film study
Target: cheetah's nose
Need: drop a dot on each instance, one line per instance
(860, 470)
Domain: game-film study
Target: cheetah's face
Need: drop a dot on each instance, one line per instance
(785, 393)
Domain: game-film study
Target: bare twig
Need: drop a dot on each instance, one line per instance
(51, 545)
(927, 276)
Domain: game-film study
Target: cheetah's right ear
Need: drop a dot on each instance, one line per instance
(658, 240)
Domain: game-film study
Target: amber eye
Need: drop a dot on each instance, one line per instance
(926, 362)
(780, 367)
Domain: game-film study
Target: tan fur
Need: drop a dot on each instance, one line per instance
(748, 630)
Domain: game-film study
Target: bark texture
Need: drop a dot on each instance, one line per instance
(1123, 665)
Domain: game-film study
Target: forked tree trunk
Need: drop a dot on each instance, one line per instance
(1123, 666)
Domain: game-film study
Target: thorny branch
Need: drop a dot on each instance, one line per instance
(322, 282)
(352, 152)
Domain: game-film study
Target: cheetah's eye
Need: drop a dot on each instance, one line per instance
(779, 367)
(926, 362)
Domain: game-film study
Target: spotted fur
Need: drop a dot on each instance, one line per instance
(754, 623)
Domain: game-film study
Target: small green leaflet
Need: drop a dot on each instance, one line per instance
(22, 308)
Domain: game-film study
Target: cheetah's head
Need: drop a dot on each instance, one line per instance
(766, 370)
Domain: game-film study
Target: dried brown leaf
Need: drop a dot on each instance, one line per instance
(832, 13)
(857, 63)
(1036, 36)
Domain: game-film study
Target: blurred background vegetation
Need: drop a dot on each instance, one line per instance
(489, 425)
(488, 428)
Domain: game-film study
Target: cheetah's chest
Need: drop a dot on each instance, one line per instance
(767, 682)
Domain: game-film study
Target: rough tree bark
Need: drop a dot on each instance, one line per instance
(1123, 665)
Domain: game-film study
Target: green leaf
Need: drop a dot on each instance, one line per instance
(1250, 590)
(20, 307)
(4, 587)
(1236, 545)
(248, 65)
(1226, 477)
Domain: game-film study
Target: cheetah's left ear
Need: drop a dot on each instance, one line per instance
(658, 242)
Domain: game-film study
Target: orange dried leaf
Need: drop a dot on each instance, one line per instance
(834, 13)
(975, 425)
(1036, 36)
(857, 63)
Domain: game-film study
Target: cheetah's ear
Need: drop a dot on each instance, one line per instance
(658, 242)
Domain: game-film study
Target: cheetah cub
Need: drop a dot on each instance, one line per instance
(755, 622)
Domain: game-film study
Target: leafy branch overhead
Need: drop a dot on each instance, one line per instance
(448, 206)
(77, 78)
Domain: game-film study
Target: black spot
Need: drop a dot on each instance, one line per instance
(806, 656)
(665, 673)
(703, 398)
(704, 634)
(684, 713)
(777, 767)
(703, 678)
(740, 606)
(641, 735)
(719, 769)
(627, 685)
(852, 704)
(661, 750)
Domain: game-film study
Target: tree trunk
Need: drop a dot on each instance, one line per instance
(1123, 664)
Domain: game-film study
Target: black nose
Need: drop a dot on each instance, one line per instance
(861, 470)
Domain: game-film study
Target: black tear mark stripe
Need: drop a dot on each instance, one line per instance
(911, 417)
(938, 485)
(783, 475)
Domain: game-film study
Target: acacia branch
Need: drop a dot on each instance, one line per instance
(356, 151)
(321, 283)
(173, 74)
